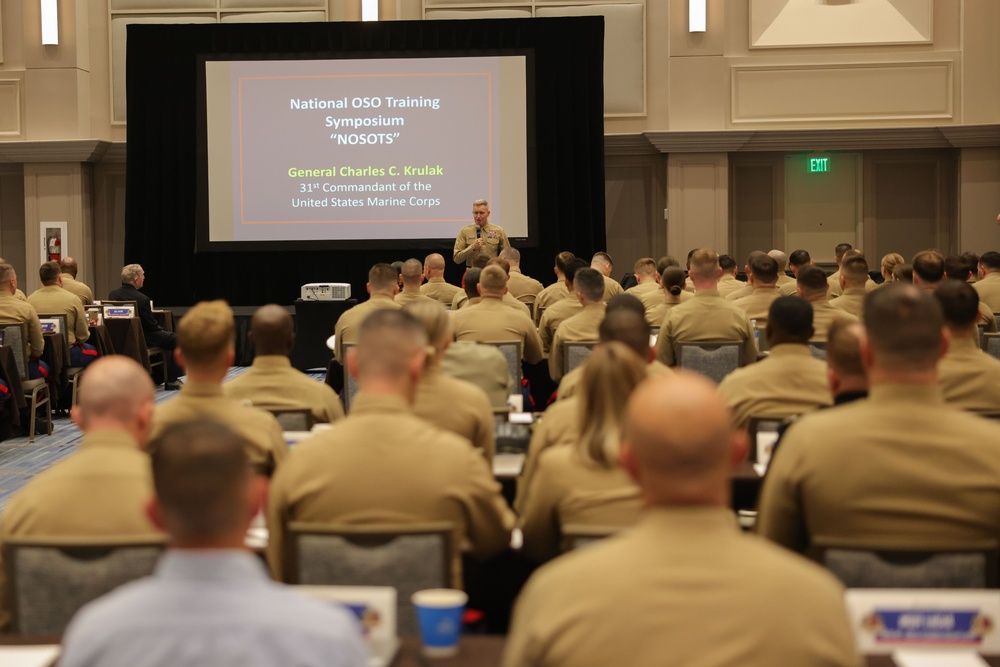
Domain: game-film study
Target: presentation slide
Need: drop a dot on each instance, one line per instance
(365, 149)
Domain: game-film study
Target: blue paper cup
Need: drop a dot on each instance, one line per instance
(439, 612)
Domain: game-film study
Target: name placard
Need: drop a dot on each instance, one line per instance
(118, 312)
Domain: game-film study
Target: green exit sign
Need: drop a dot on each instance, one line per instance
(819, 165)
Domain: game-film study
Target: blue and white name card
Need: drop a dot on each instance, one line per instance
(116, 312)
(884, 620)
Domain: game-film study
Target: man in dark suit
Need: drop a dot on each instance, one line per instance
(133, 278)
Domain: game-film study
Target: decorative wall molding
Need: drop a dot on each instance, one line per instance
(71, 150)
(628, 144)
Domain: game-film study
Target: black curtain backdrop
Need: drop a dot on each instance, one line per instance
(163, 113)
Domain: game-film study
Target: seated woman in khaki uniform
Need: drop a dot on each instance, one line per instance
(583, 484)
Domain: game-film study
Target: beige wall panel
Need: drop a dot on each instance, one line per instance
(57, 104)
(624, 47)
(275, 17)
(160, 5)
(684, 43)
(12, 215)
(429, 3)
(979, 199)
(10, 109)
(271, 4)
(478, 13)
(698, 202)
(981, 58)
(100, 76)
(12, 24)
(921, 91)
(109, 228)
(784, 23)
(55, 193)
(73, 49)
(409, 10)
(698, 93)
(635, 195)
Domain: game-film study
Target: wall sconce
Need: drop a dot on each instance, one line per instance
(697, 15)
(369, 10)
(50, 22)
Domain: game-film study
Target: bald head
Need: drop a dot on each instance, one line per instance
(412, 273)
(679, 442)
(512, 255)
(116, 392)
(271, 331)
(780, 257)
(68, 265)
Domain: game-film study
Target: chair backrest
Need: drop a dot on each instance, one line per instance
(49, 580)
(877, 567)
(350, 382)
(538, 314)
(982, 331)
(291, 418)
(62, 323)
(511, 350)
(575, 353)
(575, 536)
(408, 557)
(991, 344)
(712, 359)
(16, 336)
(817, 349)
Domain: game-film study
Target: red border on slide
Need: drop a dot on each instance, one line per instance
(489, 143)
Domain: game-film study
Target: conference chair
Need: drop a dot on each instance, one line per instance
(991, 344)
(350, 382)
(538, 314)
(934, 567)
(575, 536)
(72, 374)
(817, 349)
(49, 579)
(511, 350)
(16, 336)
(575, 353)
(715, 360)
(408, 557)
(291, 418)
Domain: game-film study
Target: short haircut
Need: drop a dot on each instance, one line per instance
(398, 266)
(562, 261)
(382, 277)
(665, 262)
(764, 268)
(791, 318)
(273, 330)
(413, 272)
(201, 472)
(388, 340)
(704, 263)
(780, 257)
(435, 319)
(590, 283)
(727, 263)
(753, 255)
(957, 267)
(205, 333)
(904, 327)
(49, 273)
(470, 282)
(959, 303)
(903, 273)
(645, 266)
(434, 261)
(854, 268)
(501, 262)
(114, 387)
(511, 254)
(841, 249)
(928, 265)
(799, 258)
(843, 347)
(129, 273)
(6, 272)
(574, 266)
(481, 202)
(481, 261)
(812, 280)
(990, 260)
(492, 280)
(602, 258)
(971, 258)
(626, 326)
(625, 302)
(691, 253)
(673, 279)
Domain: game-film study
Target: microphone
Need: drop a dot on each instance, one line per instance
(478, 231)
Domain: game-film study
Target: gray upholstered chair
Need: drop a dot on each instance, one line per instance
(350, 382)
(715, 360)
(575, 353)
(408, 557)
(48, 580)
(575, 536)
(879, 567)
(291, 418)
(16, 336)
(511, 350)
(817, 349)
(991, 344)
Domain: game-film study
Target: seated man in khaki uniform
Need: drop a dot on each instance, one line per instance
(900, 469)
(436, 287)
(14, 310)
(563, 309)
(470, 295)
(70, 270)
(782, 259)
(928, 272)
(853, 278)
(557, 291)
(728, 282)
(588, 284)
(603, 263)
(206, 347)
(763, 292)
(523, 288)
(988, 285)
(382, 288)
(490, 321)
(52, 299)
(747, 288)
(845, 371)
(833, 280)
(648, 288)
(629, 600)
(412, 275)
(706, 317)
(796, 261)
(18, 294)
(813, 287)
(789, 381)
(969, 378)
(383, 464)
(271, 380)
(102, 489)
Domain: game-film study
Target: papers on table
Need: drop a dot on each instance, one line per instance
(28, 656)
(915, 658)
(507, 465)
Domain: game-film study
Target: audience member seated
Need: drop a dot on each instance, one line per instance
(789, 381)
(900, 469)
(833, 280)
(101, 489)
(70, 269)
(563, 309)
(18, 294)
(672, 285)
(557, 290)
(853, 277)
(382, 288)
(928, 272)
(16, 311)
(482, 365)
(728, 282)
(507, 299)
(583, 484)
(411, 275)
(969, 378)
(133, 278)
(988, 285)
(845, 371)
(470, 289)
(209, 601)
(491, 321)
(588, 284)
(647, 288)
(271, 381)
(707, 317)
(796, 261)
(746, 289)
(603, 264)
(902, 273)
(523, 288)
(782, 259)
(453, 405)
(813, 287)
(888, 265)
(205, 345)
(676, 588)
(960, 267)
(384, 464)
(436, 287)
(52, 299)
(763, 281)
